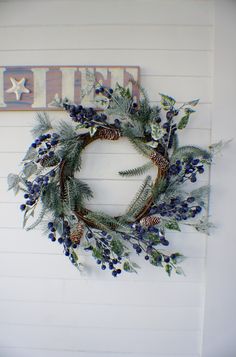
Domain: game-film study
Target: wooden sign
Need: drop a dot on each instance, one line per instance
(36, 87)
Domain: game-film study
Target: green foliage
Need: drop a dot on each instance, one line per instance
(97, 253)
(106, 222)
(185, 152)
(66, 131)
(13, 181)
(31, 154)
(137, 171)
(141, 197)
(77, 191)
(183, 121)
(43, 124)
(172, 225)
(158, 188)
(70, 152)
(139, 145)
(201, 195)
(177, 258)
(117, 247)
(51, 199)
(156, 258)
(129, 267)
(167, 102)
(217, 147)
(38, 220)
(29, 169)
(168, 269)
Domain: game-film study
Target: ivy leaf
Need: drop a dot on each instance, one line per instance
(29, 169)
(153, 144)
(157, 132)
(183, 121)
(172, 225)
(30, 154)
(168, 269)
(128, 267)
(193, 103)
(92, 130)
(13, 181)
(167, 101)
(179, 271)
(97, 253)
(177, 258)
(189, 110)
(117, 247)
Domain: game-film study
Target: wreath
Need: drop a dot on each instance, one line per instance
(48, 180)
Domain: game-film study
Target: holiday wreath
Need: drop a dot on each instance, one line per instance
(48, 178)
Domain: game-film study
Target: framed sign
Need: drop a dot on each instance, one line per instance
(36, 87)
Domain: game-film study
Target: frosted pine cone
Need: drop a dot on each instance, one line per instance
(77, 233)
(159, 160)
(109, 134)
(150, 221)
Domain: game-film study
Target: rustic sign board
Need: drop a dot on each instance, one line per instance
(36, 87)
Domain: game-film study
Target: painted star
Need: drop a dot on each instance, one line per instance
(18, 88)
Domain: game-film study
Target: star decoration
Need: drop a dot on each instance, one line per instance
(18, 88)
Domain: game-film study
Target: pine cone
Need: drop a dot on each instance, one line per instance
(109, 134)
(159, 160)
(150, 221)
(77, 234)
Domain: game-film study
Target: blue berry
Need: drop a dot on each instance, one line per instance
(166, 259)
(103, 267)
(22, 207)
(33, 145)
(146, 257)
(50, 225)
(60, 240)
(51, 236)
(114, 273)
(99, 261)
(26, 195)
(164, 242)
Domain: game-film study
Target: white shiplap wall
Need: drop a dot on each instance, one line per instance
(46, 307)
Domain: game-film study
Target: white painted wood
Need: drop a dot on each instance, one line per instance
(107, 37)
(47, 337)
(100, 316)
(47, 308)
(220, 310)
(180, 62)
(132, 12)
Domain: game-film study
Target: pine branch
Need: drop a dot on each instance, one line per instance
(77, 191)
(185, 152)
(43, 124)
(137, 171)
(158, 189)
(70, 151)
(66, 131)
(107, 222)
(137, 143)
(141, 197)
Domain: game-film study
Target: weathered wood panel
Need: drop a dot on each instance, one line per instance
(35, 88)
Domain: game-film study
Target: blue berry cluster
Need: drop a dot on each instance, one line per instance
(34, 188)
(106, 253)
(188, 168)
(88, 117)
(46, 145)
(177, 208)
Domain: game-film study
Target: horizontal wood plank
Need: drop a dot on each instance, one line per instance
(110, 292)
(152, 62)
(157, 12)
(107, 37)
(136, 341)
